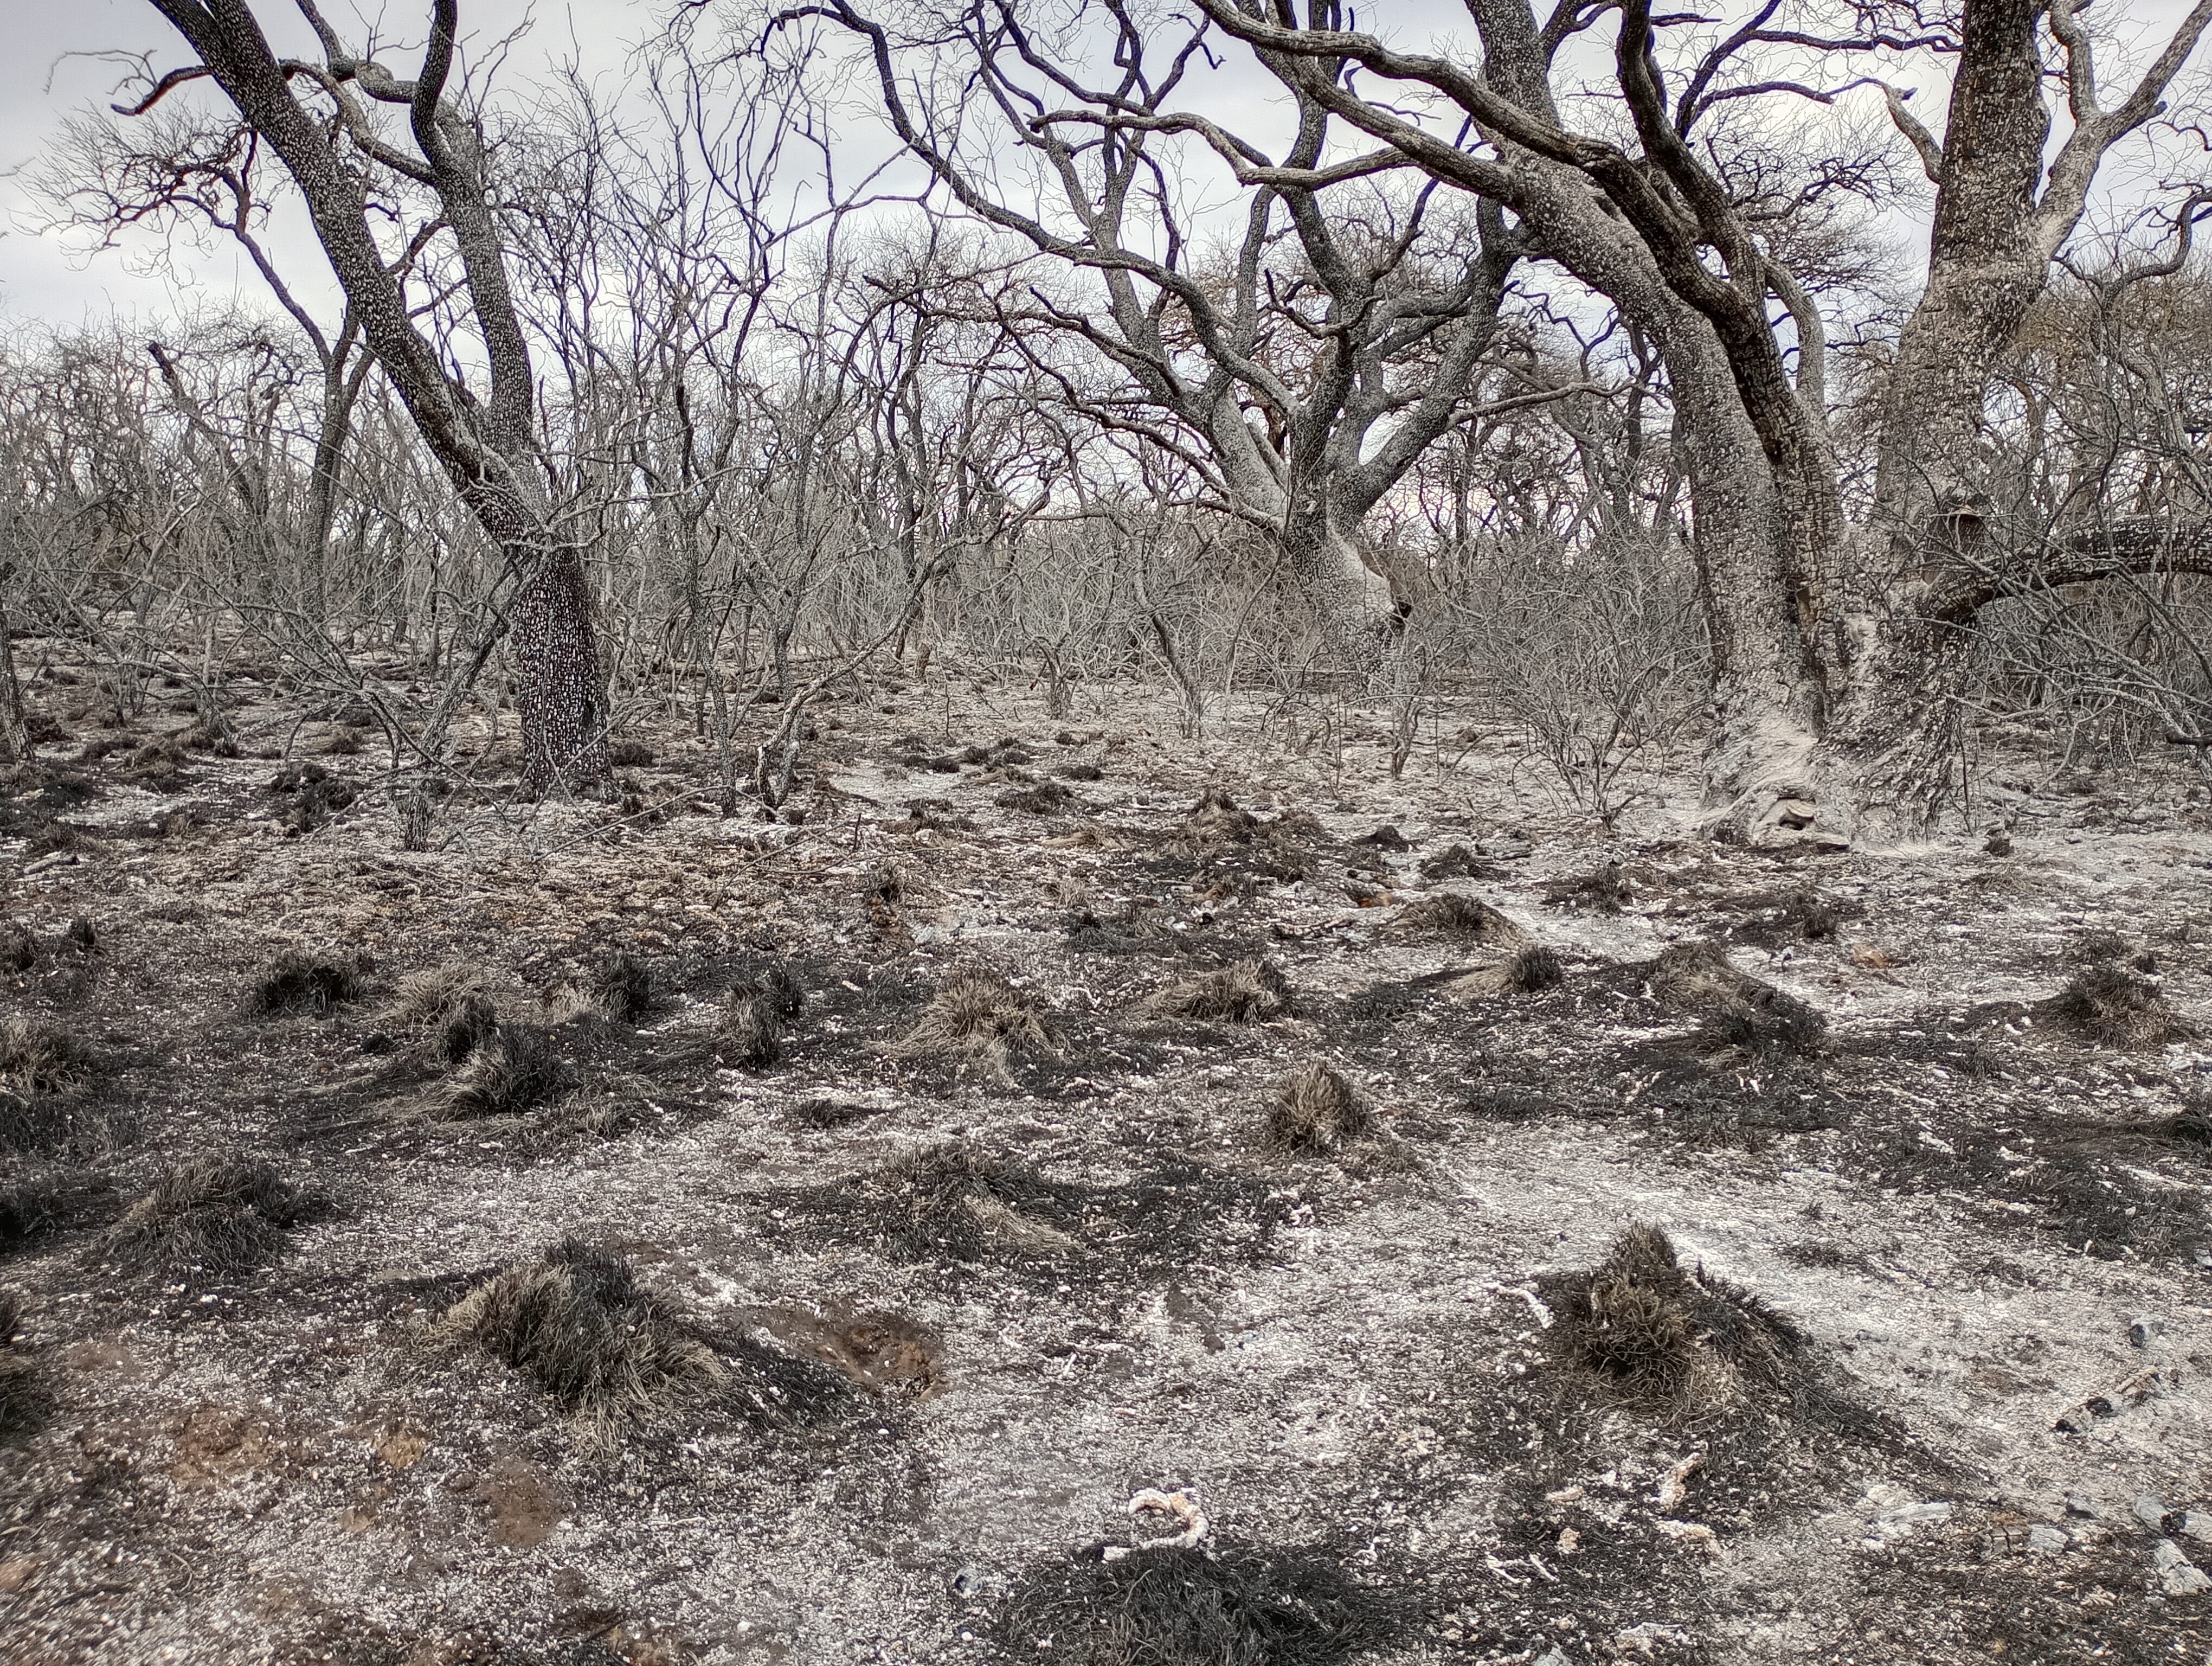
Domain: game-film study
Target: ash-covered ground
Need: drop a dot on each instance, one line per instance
(628, 1233)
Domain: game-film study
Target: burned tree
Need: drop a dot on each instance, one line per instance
(1838, 637)
(1301, 373)
(485, 445)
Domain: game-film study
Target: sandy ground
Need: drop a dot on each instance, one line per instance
(1967, 1218)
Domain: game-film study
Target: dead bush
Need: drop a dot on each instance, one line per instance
(296, 981)
(1315, 1112)
(37, 1059)
(1526, 971)
(751, 1032)
(623, 987)
(2115, 1006)
(18, 947)
(1243, 992)
(1231, 1605)
(577, 1325)
(951, 1199)
(30, 1204)
(1216, 820)
(207, 1217)
(976, 1016)
(510, 1070)
(630, 754)
(81, 935)
(1656, 1335)
(1466, 919)
(1734, 1009)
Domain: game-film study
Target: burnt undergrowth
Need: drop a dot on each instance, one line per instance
(576, 1324)
(1232, 1603)
(955, 1204)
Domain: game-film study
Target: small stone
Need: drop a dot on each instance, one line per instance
(1554, 1657)
(2078, 1505)
(969, 1582)
(1999, 844)
(2144, 1330)
(2150, 1511)
(2176, 1575)
(2043, 1540)
(2197, 1526)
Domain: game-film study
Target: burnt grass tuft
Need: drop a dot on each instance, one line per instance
(1666, 1340)
(1463, 919)
(1229, 1605)
(1734, 1009)
(624, 988)
(1242, 992)
(2115, 1006)
(512, 1069)
(975, 1017)
(750, 1033)
(206, 1218)
(297, 981)
(578, 1326)
(1315, 1112)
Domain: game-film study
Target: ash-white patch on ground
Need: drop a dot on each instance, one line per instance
(958, 1304)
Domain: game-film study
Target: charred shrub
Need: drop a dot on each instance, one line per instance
(2116, 1006)
(1649, 1330)
(1315, 1112)
(206, 1218)
(1243, 992)
(296, 981)
(1232, 1605)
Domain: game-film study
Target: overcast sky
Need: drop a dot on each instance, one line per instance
(40, 82)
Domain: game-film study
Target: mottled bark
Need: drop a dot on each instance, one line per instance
(485, 448)
(1838, 650)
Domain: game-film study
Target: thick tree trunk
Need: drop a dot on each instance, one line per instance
(561, 698)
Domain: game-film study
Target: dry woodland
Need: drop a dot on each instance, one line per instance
(1130, 833)
(1243, 1207)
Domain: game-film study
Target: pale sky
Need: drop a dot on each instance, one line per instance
(40, 83)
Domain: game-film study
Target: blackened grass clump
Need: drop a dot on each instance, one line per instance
(2114, 1006)
(22, 1397)
(576, 1323)
(296, 981)
(949, 1199)
(1230, 1605)
(976, 1016)
(37, 1058)
(1734, 1009)
(1664, 1338)
(513, 1068)
(751, 1033)
(1464, 919)
(1242, 992)
(623, 987)
(1315, 1112)
(204, 1220)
